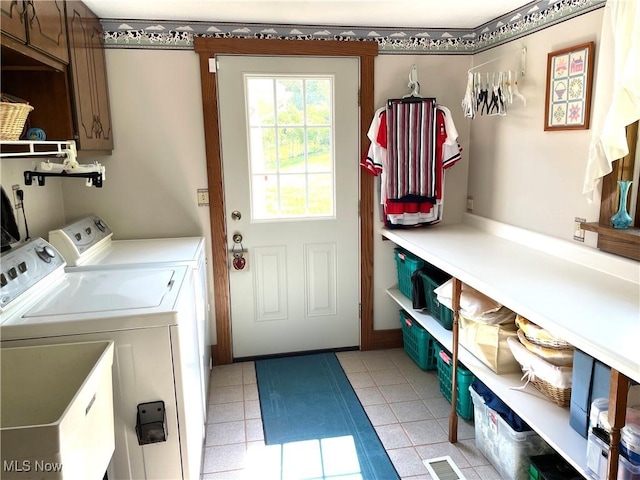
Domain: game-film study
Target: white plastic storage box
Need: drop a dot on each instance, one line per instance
(597, 457)
(507, 450)
(57, 410)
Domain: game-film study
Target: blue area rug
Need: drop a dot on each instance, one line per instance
(309, 405)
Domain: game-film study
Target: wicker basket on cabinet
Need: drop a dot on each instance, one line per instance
(13, 116)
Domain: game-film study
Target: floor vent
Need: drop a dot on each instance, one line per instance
(443, 468)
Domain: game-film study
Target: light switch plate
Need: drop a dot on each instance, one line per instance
(203, 197)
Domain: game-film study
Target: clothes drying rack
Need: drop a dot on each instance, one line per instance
(48, 149)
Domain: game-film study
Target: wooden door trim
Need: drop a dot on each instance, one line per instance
(210, 47)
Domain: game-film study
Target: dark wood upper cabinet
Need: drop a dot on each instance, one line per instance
(13, 23)
(69, 95)
(36, 24)
(88, 79)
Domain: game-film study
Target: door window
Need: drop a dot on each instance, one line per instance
(291, 139)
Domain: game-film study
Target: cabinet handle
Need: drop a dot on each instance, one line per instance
(17, 5)
(97, 126)
(28, 6)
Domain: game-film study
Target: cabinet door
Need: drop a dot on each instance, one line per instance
(46, 28)
(88, 79)
(12, 13)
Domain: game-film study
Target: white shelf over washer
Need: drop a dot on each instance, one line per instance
(35, 148)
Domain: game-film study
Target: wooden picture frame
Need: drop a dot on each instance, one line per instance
(569, 84)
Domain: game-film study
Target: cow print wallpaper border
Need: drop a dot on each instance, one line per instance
(511, 26)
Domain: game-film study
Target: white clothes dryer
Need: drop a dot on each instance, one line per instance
(150, 315)
(89, 244)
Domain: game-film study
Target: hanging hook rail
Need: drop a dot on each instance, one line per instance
(523, 60)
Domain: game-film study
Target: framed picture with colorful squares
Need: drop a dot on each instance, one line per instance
(569, 82)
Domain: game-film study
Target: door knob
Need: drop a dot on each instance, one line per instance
(237, 238)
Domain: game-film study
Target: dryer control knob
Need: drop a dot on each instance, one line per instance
(100, 224)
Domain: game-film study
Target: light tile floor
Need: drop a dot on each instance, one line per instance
(402, 401)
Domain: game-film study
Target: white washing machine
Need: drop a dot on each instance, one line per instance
(150, 315)
(88, 244)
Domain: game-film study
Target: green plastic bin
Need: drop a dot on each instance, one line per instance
(464, 405)
(551, 467)
(432, 278)
(418, 343)
(406, 265)
(444, 317)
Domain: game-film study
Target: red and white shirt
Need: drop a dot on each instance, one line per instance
(412, 143)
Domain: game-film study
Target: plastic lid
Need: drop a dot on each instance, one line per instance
(631, 432)
(632, 423)
(600, 402)
(598, 405)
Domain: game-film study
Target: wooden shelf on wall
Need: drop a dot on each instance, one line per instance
(627, 241)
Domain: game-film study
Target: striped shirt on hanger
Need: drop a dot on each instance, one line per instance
(411, 148)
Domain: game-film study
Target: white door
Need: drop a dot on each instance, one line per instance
(289, 140)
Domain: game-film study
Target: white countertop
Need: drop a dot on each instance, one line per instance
(596, 311)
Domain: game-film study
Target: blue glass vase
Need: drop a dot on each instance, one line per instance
(621, 219)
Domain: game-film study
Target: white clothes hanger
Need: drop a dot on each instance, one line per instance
(513, 82)
(413, 82)
(468, 101)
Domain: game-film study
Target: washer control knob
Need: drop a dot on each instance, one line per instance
(46, 253)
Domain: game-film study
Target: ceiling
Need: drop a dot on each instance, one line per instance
(380, 13)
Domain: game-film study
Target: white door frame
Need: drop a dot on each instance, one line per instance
(208, 48)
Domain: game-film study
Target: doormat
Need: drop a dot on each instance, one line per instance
(310, 409)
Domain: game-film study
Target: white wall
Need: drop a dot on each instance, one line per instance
(518, 173)
(159, 160)
(43, 206)
(442, 77)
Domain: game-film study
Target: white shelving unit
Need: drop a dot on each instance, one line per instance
(590, 300)
(548, 419)
(63, 150)
(35, 148)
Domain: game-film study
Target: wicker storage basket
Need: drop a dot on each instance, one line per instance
(560, 357)
(13, 116)
(540, 336)
(554, 382)
(559, 396)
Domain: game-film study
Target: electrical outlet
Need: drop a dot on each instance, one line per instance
(578, 231)
(17, 203)
(469, 204)
(203, 197)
